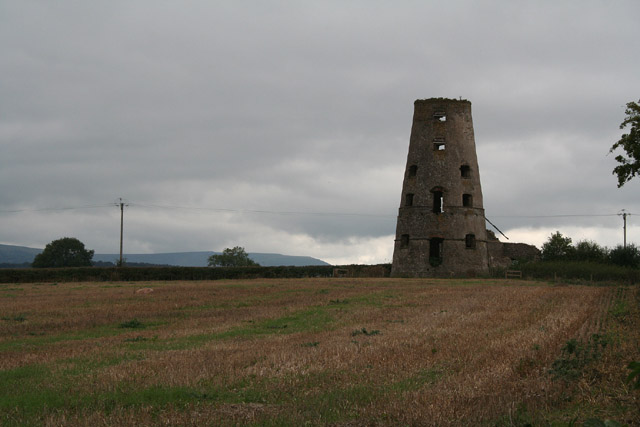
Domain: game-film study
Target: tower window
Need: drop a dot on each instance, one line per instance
(438, 202)
(435, 251)
(470, 241)
(438, 144)
(413, 170)
(465, 171)
(467, 200)
(408, 199)
(440, 116)
(404, 241)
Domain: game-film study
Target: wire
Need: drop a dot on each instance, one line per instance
(70, 208)
(261, 211)
(554, 216)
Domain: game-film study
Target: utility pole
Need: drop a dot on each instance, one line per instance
(624, 228)
(120, 263)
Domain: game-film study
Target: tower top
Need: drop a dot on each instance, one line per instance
(440, 100)
(427, 109)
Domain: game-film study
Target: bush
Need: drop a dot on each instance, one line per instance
(625, 256)
(590, 251)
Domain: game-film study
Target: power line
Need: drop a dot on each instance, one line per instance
(554, 216)
(261, 211)
(346, 213)
(274, 212)
(52, 209)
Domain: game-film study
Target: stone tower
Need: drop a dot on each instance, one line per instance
(441, 227)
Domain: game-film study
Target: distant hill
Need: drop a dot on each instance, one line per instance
(199, 259)
(19, 254)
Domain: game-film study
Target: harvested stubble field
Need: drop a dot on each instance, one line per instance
(316, 352)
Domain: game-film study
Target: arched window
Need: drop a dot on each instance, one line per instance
(470, 241)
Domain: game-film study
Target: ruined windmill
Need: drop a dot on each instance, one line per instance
(441, 225)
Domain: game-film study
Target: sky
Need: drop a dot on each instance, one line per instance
(283, 126)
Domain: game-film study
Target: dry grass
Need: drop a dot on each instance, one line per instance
(321, 351)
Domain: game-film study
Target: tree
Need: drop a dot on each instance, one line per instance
(65, 252)
(557, 248)
(236, 257)
(628, 256)
(588, 250)
(628, 166)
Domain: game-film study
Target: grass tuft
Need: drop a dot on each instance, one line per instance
(132, 324)
(365, 332)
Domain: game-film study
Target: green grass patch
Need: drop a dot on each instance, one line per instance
(6, 289)
(373, 299)
(158, 396)
(35, 340)
(317, 318)
(30, 390)
(16, 318)
(24, 388)
(620, 310)
(313, 319)
(576, 355)
(132, 324)
(86, 365)
(415, 382)
(336, 405)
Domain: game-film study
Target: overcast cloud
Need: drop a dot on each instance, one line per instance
(283, 126)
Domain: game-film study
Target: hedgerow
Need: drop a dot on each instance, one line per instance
(85, 274)
(579, 270)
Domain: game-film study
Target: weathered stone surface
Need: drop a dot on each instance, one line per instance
(441, 226)
(502, 255)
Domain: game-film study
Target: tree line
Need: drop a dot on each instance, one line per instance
(560, 248)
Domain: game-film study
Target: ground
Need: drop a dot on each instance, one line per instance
(317, 351)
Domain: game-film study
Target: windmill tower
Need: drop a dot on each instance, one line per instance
(441, 226)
